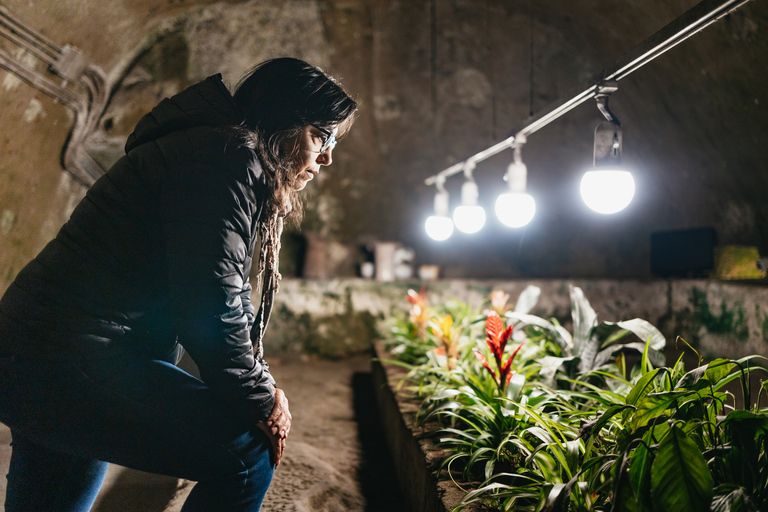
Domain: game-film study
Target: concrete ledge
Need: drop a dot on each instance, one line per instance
(414, 459)
(336, 317)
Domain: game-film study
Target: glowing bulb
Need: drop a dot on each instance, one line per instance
(515, 209)
(607, 191)
(439, 227)
(469, 219)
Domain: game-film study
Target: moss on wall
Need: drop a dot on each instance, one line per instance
(729, 320)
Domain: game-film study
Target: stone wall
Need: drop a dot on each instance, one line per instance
(334, 318)
(437, 80)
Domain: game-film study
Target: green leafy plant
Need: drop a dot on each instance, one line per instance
(571, 428)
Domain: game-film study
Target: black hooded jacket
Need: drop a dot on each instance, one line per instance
(158, 252)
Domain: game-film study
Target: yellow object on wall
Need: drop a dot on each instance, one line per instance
(737, 262)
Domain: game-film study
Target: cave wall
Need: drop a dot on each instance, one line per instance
(437, 81)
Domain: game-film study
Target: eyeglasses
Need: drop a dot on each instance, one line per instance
(329, 142)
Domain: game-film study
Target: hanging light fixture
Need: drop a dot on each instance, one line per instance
(516, 208)
(607, 188)
(439, 226)
(469, 217)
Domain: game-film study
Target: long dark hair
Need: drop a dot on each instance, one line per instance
(278, 98)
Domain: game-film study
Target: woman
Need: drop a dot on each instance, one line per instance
(155, 257)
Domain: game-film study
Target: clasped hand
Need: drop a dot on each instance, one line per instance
(277, 426)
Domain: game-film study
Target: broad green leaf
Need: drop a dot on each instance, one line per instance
(589, 349)
(680, 478)
(712, 372)
(690, 379)
(549, 366)
(560, 335)
(515, 386)
(657, 358)
(584, 318)
(556, 497)
(643, 387)
(572, 454)
(625, 496)
(596, 426)
(733, 501)
(527, 299)
(625, 500)
(446, 393)
(653, 406)
(657, 433)
(614, 336)
(743, 427)
(646, 332)
(718, 369)
(640, 475)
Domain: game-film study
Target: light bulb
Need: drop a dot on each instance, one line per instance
(515, 209)
(607, 191)
(469, 219)
(439, 227)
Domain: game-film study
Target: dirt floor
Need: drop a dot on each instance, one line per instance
(335, 460)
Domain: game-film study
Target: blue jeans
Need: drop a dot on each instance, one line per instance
(69, 419)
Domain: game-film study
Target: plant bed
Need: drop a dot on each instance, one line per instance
(591, 420)
(414, 454)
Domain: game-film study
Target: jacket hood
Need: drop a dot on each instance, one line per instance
(207, 103)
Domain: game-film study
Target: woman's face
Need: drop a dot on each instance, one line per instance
(309, 158)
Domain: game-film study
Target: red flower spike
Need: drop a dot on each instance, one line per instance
(509, 378)
(484, 362)
(497, 336)
(504, 370)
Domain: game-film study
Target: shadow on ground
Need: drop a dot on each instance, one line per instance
(136, 491)
(376, 472)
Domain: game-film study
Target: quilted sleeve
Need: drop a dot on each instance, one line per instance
(209, 206)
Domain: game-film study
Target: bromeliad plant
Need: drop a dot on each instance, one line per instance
(497, 337)
(448, 335)
(420, 314)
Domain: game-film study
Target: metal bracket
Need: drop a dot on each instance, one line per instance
(84, 89)
(604, 91)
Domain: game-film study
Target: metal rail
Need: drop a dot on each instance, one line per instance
(691, 22)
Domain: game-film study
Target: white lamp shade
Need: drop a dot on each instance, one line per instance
(439, 227)
(607, 191)
(515, 209)
(469, 219)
